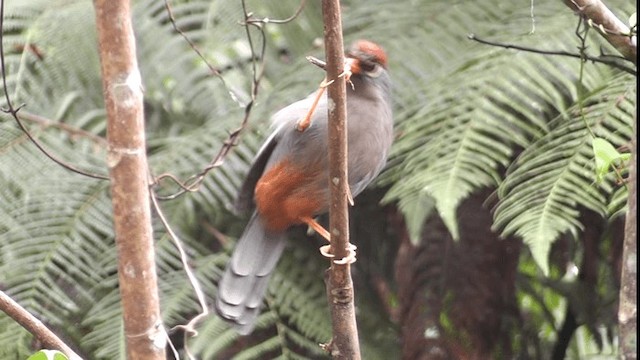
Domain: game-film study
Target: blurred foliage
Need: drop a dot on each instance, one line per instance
(491, 144)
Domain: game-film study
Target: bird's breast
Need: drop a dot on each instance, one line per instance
(286, 192)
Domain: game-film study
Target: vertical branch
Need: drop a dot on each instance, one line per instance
(127, 161)
(628, 308)
(344, 344)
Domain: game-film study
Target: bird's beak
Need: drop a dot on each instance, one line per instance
(317, 62)
(350, 64)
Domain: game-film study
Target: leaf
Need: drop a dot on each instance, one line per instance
(606, 156)
(416, 210)
(48, 355)
(553, 178)
(463, 111)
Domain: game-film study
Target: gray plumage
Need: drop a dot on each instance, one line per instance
(370, 133)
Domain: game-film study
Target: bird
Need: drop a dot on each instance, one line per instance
(287, 183)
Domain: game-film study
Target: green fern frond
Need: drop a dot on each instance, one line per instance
(544, 189)
(296, 318)
(462, 111)
(461, 137)
(104, 319)
(15, 335)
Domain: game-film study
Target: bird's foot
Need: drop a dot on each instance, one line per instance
(324, 250)
(349, 259)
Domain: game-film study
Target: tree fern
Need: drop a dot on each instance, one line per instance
(463, 111)
(461, 138)
(555, 176)
(294, 322)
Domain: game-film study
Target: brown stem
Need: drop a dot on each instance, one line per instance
(344, 344)
(71, 130)
(628, 308)
(194, 182)
(615, 62)
(34, 326)
(13, 111)
(145, 337)
(610, 27)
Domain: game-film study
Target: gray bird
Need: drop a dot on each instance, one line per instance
(287, 183)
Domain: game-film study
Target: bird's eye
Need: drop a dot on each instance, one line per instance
(371, 68)
(367, 66)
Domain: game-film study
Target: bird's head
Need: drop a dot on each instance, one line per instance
(366, 58)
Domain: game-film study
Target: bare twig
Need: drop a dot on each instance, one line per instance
(189, 328)
(34, 326)
(344, 343)
(254, 20)
(13, 111)
(71, 130)
(193, 183)
(611, 28)
(608, 60)
(195, 48)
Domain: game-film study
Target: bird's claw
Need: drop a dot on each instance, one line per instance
(324, 250)
(349, 259)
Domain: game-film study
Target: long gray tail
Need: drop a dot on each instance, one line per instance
(246, 278)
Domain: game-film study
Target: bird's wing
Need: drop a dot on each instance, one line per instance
(283, 121)
(244, 201)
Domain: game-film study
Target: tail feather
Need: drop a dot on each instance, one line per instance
(246, 278)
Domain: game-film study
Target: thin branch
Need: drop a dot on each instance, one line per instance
(189, 328)
(193, 183)
(254, 20)
(13, 111)
(35, 326)
(317, 62)
(344, 343)
(71, 130)
(608, 60)
(195, 48)
(611, 28)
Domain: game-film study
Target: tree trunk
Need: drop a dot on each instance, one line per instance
(628, 308)
(144, 335)
(614, 30)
